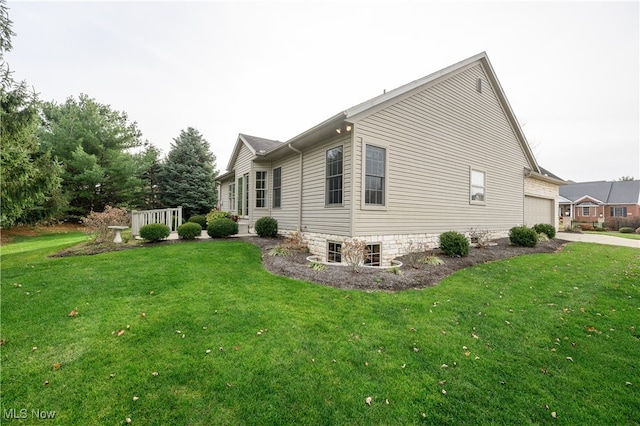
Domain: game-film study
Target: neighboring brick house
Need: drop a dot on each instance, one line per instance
(598, 202)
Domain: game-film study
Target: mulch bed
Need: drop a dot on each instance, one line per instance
(412, 275)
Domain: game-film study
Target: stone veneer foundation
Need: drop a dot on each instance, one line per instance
(392, 246)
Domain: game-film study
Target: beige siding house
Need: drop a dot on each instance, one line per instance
(441, 153)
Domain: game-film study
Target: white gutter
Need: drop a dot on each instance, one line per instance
(300, 186)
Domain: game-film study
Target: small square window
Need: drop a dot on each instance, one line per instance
(373, 255)
(334, 252)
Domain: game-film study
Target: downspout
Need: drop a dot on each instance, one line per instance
(300, 186)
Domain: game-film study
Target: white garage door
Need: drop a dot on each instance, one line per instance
(538, 210)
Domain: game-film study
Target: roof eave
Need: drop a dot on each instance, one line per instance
(325, 128)
(539, 176)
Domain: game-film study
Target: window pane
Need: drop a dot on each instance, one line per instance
(477, 194)
(477, 178)
(375, 161)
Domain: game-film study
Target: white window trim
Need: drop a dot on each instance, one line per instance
(265, 189)
(484, 172)
(363, 175)
(341, 203)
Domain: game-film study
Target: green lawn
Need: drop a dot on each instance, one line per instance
(551, 338)
(615, 234)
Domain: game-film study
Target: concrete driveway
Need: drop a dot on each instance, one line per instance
(598, 239)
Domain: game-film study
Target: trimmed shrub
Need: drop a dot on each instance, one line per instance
(266, 227)
(523, 236)
(625, 230)
(190, 230)
(586, 227)
(155, 232)
(200, 220)
(545, 228)
(217, 214)
(638, 230)
(454, 244)
(222, 227)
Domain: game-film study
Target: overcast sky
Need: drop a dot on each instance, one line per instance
(275, 69)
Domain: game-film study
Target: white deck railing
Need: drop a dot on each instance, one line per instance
(171, 217)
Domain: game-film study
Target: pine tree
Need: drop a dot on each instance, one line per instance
(29, 177)
(187, 176)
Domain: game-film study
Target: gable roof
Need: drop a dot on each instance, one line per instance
(257, 146)
(355, 113)
(624, 192)
(327, 128)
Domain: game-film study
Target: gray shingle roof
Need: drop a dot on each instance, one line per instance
(625, 192)
(548, 173)
(260, 144)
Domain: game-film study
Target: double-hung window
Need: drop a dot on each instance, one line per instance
(333, 188)
(586, 211)
(261, 189)
(277, 187)
(477, 187)
(619, 211)
(374, 175)
(232, 195)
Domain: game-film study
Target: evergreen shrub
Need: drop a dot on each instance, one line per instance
(523, 236)
(545, 228)
(223, 227)
(454, 244)
(154, 232)
(200, 220)
(266, 227)
(190, 230)
(217, 214)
